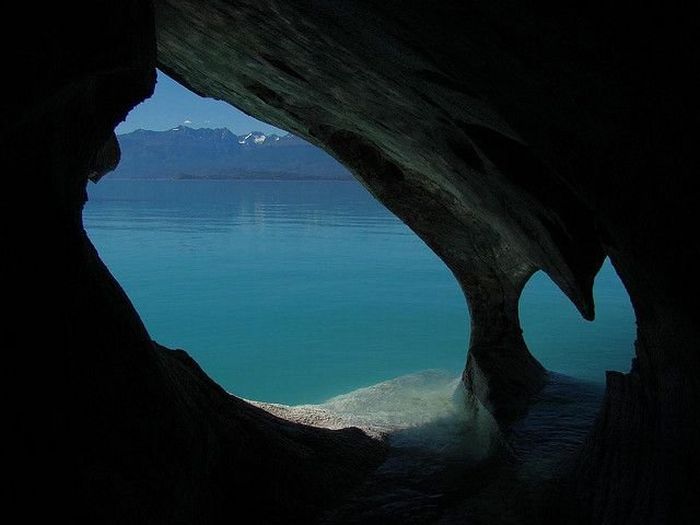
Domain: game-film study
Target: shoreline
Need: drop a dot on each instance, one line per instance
(232, 179)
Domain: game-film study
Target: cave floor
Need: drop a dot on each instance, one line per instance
(447, 464)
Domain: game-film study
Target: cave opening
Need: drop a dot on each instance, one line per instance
(292, 288)
(285, 287)
(566, 343)
(296, 288)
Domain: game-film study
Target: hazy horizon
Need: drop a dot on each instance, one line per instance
(279, 132)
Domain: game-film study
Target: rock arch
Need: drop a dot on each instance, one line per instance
(510, 138)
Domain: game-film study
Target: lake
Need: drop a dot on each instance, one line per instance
(298, 291)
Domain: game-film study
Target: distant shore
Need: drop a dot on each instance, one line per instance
(220, 179)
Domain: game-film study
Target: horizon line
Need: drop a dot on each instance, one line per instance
(190, 127)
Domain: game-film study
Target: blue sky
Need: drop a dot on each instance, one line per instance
(172, 105)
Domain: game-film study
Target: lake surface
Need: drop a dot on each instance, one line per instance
(298, 291)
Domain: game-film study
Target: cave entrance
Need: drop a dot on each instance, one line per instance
(284, 278)
(272, 266)
(564, 342)
(288, 285)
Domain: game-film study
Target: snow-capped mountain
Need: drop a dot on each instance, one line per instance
(257, 138)
(184, 152)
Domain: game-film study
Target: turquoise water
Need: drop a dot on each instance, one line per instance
(299, 291)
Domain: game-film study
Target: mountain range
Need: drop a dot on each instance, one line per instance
(187, 153)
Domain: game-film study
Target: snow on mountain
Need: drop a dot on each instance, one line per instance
(184, 152)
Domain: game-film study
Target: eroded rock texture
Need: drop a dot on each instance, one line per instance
(510, 137)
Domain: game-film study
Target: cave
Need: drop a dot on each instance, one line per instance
(511, 138)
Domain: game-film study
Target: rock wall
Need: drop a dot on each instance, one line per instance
(511, 138)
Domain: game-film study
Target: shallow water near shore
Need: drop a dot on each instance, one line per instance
(448, 461)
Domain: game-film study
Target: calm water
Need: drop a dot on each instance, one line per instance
(295, 292)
